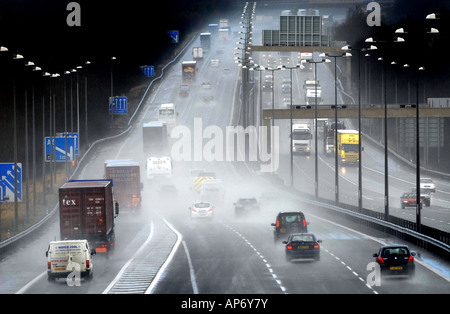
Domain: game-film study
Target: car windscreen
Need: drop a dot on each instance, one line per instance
(202, 205)
(290, 218)
(303, 238)
(395, 251)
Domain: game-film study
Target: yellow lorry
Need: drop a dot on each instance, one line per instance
(348, 150)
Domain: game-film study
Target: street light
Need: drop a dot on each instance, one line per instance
(347, 48)
(291, 142)
(336, 166)
(316, 169)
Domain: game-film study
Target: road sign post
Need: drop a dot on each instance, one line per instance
(57, 145)
(7, 182)
(118, 105)
(174, 36)
(149, 70)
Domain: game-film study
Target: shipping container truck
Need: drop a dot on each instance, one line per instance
(188, 71)
(155, 138)
(348, 146)
(127, 183)
(87, 211)
(205, 41)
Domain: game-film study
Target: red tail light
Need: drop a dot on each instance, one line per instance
(411, 259)
(211, 209)
(87, 264)
(316, 245)
(304, 222)
(49, 265)
(289, 246)
(278, 224)
(380, 260)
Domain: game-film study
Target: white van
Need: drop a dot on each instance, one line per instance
(69, 257)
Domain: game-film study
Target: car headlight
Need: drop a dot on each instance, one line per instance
(294, 149)
(308, 148)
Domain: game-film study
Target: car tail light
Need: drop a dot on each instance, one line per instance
(304, 222)
(210, 209)
(49, 265)
(193, 210)
(380, 260)
(289, 246)
(411, 259)
(316, 245)
(278, 224)
(87, 264)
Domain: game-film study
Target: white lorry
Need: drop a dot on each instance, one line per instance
(301, 138)
(212, 191)
(159, 168)
(69, 259)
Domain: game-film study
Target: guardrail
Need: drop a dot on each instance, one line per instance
(21, 235)
(431, 239)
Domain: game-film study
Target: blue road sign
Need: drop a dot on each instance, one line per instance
(118, 105)
(59, 148)
(7, 181)
(174, 37)
(149, 71)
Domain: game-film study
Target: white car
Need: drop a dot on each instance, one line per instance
(202, 210)
(427, 184)
(214, 63)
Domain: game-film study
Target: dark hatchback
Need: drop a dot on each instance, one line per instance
(287, 223)
(302, 246)
(395, 260)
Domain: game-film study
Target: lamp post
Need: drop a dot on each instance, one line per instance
(346, 48)
(386, 160)
(316, 149)
(336, 166)
(432, 30)
(291, 157)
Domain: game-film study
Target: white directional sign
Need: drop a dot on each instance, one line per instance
(57, 146)
(7, 182)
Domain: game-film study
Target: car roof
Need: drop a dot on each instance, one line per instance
(290, 212)
(394, 246)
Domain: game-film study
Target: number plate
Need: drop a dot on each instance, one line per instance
(282, 229)
(396, 268)
(303, 247)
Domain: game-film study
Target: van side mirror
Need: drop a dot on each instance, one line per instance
(93, 252)
(273, 224)
(46, 253)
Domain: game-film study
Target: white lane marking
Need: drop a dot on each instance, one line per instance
(119, 275)
(269, 267)
(169, 258)
(191, 269)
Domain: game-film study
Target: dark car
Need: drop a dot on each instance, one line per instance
(302, 245)
(287, 223)
(409, 200)
(425, 196)
(395, 260)
(245, 204)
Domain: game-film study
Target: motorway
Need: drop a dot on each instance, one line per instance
(162, 251)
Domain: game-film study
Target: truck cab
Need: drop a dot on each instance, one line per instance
(348, 146)
(301, 138)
